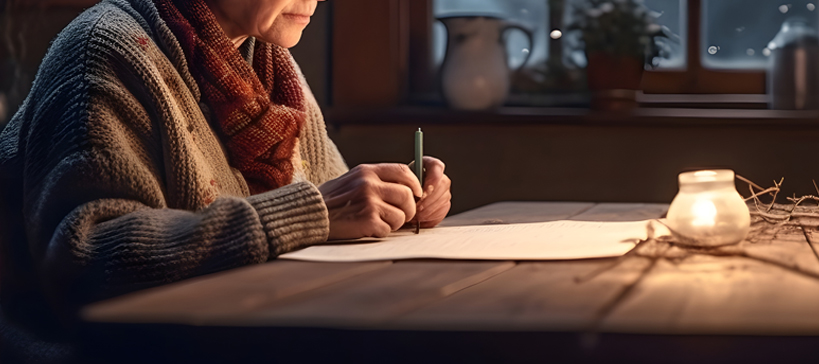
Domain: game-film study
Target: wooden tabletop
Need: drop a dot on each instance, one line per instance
(752, 304)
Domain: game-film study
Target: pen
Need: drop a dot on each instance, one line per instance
(419, 167)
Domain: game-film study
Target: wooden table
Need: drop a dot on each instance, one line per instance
(692, 308)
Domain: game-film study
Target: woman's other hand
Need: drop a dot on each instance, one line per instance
(374, 199)
(435, 201)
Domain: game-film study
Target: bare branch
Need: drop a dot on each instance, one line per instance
(743, 179)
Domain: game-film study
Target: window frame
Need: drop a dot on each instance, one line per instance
(396, 37)
(696, 78)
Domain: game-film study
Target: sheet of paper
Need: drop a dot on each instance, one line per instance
(532, 241)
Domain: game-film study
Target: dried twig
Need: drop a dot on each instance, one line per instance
(749, 182)
(778, 217)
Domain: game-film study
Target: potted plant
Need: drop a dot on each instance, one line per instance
(620, 38)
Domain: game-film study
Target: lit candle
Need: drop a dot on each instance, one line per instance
(708, 211)
(705, 213)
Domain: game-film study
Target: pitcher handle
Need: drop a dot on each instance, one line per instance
(529, 35)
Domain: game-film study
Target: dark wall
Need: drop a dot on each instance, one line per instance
(489, 163)
(313, 53)
(24, 38)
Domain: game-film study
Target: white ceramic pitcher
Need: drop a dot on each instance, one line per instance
(475, 72)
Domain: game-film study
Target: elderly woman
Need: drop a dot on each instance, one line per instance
(170, 138)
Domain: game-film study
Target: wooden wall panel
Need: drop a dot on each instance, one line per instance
(607, 163)
(370, 52)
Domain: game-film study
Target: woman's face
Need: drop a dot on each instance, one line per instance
(275, 21)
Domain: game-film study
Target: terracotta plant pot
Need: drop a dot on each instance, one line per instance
(613, 81)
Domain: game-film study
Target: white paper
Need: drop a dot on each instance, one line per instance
(553, 240)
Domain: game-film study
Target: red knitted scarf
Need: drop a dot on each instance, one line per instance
(259, 110)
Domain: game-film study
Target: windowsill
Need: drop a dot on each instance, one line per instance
(654, 110)
(704, 101)
(581, 100)
(647, 115)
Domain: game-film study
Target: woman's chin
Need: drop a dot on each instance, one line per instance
(286, 41)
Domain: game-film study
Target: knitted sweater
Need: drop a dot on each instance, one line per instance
(115, 179)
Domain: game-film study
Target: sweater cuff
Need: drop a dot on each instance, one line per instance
(293, 217)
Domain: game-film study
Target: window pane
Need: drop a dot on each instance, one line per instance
(534, 14)
(669, 13)
(563, 74)
(737, 32)
(672, 15)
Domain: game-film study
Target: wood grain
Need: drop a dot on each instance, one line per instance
(719, 295)
(225, 294)
(518, 212)
(545, 296)
(372, 299)
(532, 296)
(622, 212)
(766, 285)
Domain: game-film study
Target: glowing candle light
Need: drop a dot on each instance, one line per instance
(708, 211)
(704, 213)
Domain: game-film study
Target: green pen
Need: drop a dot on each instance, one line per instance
(419, 155)
(419, 166)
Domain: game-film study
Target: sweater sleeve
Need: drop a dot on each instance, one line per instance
(103, 214)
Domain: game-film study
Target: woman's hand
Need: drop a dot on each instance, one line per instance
(372, 200)
(435, 202)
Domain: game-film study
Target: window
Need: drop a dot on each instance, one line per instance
(534, 14)
(405, 45)
(727, 36)
(673, 15)
(537, 15)
(736, 33)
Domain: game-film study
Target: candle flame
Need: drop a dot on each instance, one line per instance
(705, 176)
(705, 173)
(704, 212)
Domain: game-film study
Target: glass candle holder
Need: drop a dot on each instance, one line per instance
(708, 210)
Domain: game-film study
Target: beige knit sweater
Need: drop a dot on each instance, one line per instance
(115, 180)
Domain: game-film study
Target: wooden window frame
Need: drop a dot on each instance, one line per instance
(697, 79)
(381, 52)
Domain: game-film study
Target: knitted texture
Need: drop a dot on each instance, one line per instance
(259, 117)
(282, 222)
(121, 182)
(321, 159)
